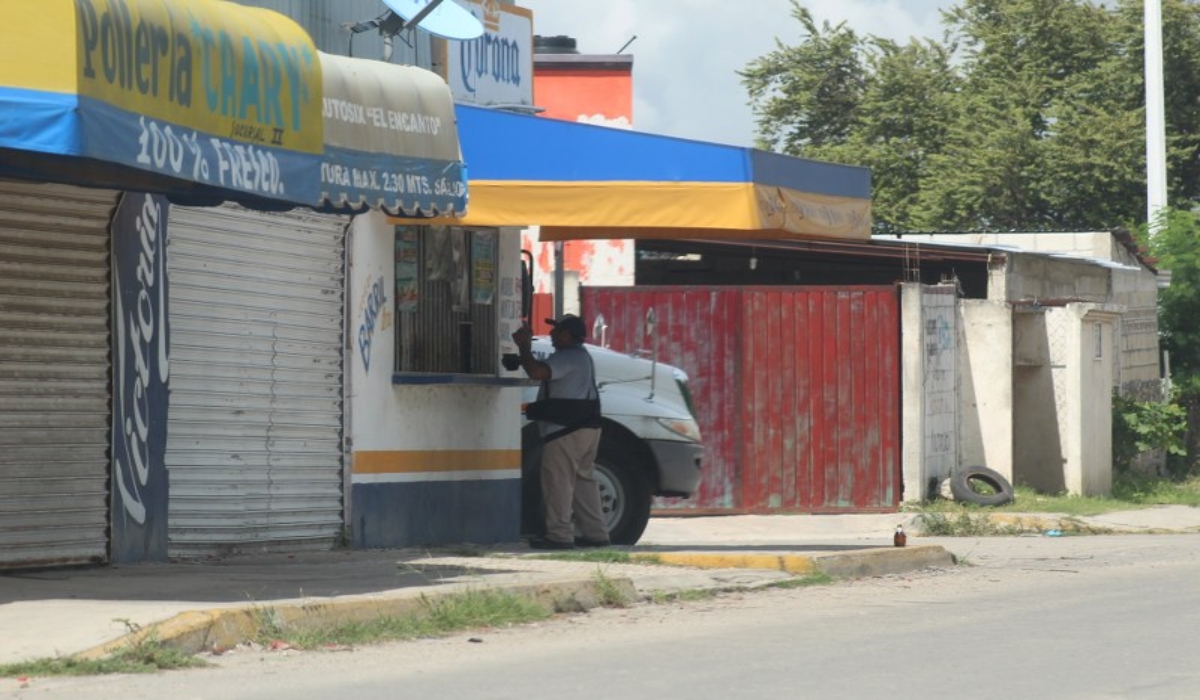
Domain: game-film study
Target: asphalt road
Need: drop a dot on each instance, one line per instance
(1072, 617)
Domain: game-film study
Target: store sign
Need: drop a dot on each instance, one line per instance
(497, 67)
(210, 92)
(140, 379)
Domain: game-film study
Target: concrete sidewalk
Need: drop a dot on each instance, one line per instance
(218, 603)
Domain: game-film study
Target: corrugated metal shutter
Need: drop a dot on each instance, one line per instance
(254, 435)
(54, 373)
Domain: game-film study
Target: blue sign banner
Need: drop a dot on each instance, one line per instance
(399, 185)
(141, 373)
(258, 170)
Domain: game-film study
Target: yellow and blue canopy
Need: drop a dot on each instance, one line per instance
(204, 100)
(585, 181)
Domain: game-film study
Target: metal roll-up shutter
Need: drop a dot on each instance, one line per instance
(254, 433)
(54, 373)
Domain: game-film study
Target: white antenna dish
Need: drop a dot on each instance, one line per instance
(444, 18)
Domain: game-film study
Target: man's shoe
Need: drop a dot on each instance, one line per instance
(544, 543)
(585, 542)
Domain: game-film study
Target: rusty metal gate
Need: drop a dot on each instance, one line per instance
(797, 389)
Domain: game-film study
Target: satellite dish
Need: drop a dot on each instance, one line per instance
(444, 18)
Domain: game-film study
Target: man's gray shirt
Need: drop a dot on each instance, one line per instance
(571, 377)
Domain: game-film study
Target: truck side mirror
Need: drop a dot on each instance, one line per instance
(600, 331)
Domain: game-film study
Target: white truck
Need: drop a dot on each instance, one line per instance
(649, 446)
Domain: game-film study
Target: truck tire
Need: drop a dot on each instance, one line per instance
(962, 483)
(623, 480)
(624, 490)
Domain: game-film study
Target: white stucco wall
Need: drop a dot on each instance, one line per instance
(912, 370)
(454, 418)
(985, 409)
(1088, 469)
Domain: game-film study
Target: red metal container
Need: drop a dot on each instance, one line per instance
(797, 389)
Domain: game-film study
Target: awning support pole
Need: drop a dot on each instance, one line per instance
(559, 279)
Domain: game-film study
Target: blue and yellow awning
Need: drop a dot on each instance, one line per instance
(584, 181)
(207, 100)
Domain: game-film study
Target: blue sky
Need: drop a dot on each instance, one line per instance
(687, 51)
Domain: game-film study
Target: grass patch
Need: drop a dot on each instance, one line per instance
(598, 556)
(817, 578)
(436, 618)
(1130, 492)
(147, 655)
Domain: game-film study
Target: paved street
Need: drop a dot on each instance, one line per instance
(1029, 617)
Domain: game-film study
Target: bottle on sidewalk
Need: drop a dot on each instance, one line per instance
(899, 539)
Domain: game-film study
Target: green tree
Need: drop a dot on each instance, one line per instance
(1027, 114)
(1176, 247)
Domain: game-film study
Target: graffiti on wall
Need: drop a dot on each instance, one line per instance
(939, 390)
(376, 315)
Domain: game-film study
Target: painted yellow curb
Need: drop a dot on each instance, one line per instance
(875, 561)
(791, 563)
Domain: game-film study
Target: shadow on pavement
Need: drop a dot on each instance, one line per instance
(238, 579)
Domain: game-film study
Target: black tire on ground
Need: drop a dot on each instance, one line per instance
(624, 488)
(962, 486)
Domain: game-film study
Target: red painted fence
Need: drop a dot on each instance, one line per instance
(797, 389)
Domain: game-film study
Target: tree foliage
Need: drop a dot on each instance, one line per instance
(1025, 114)
(1176, 247)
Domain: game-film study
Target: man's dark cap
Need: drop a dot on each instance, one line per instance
(571, 324)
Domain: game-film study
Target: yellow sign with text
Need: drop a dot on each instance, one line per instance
(236, 72)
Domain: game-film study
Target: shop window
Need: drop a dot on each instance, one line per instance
(446, 300)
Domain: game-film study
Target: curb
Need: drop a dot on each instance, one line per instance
(219, 630)
(861, 564)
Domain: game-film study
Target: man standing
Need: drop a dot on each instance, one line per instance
(568, 418)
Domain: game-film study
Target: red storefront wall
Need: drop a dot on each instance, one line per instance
(796, 389)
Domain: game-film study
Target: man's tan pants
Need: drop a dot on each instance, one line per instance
(568, 487)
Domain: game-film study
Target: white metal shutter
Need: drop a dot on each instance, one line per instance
(254, 434)
(54, 373)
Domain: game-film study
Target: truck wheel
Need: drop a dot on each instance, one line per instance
(624, 490)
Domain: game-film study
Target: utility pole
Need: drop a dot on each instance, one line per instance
(1156, 131)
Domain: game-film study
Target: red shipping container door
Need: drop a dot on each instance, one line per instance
(797, 389)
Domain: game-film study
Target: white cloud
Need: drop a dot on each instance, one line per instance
(687, 52)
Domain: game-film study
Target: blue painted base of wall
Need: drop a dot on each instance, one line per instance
(436, 513)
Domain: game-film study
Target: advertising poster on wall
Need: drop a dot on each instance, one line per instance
(497, 67)
(408, 272)
(483, 267)
(140, 379)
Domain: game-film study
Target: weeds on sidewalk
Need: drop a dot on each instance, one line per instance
(144, 655)
(608, 593)
(435, 618)
(964, 524)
